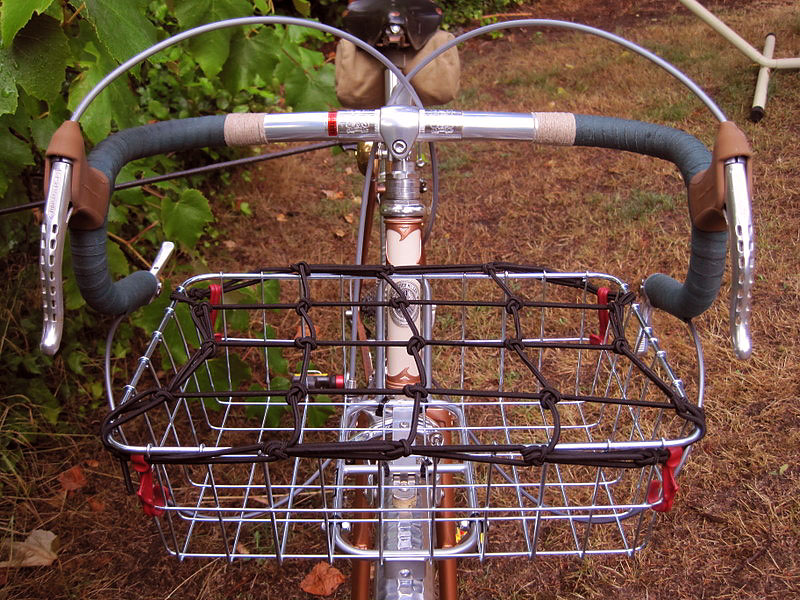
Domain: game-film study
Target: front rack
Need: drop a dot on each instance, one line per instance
(547, 419)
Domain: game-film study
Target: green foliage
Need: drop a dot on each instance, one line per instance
(185, 219)
(52, 53)
(464, 11)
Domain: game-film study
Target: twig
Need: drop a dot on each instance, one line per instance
(130, 249)
(500, 15)
(135, 238)
(153, 191)
(75, 14)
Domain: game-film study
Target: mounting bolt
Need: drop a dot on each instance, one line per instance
(405, 573)
(345, 525)
(437, 439)
(399, 147)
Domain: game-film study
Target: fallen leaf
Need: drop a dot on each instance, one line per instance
(349, 218)
(229, 244)
(96, 504)
(281, 218)
(323, 580)
(38, 550)
(339, 233)
(72, 479)
(92, 463)
(357, 200)
(333, 194)
(242, 549)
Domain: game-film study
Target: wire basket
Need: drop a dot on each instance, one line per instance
(546, 419)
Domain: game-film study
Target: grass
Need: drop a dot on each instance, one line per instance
(735, 528)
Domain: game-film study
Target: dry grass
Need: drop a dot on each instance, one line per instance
(735, 528)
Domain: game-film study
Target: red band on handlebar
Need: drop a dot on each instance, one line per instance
(333, 129)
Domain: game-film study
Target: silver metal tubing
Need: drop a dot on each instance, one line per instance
(467, 543)
(185, 35)
(550, 275)
(290, 127)
(655, 59)
(107, 361)
(395, 468)
(587, 446)
(499, 126)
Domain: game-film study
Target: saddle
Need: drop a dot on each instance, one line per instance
(405, 31)
(395, 23)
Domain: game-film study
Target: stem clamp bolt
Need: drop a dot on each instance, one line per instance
(399, 147)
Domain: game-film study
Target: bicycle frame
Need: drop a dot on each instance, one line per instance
(411, 500)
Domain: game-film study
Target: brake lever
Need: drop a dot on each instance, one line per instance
(54, 231)
(742, 248)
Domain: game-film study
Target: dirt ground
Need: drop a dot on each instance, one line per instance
(735, 529)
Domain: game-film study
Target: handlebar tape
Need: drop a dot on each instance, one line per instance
(687, 300)
(708, 248)
(89, 256)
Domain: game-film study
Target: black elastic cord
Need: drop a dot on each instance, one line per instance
(548, 396)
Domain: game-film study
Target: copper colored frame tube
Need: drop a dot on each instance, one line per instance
(362, 534)
(445, 526)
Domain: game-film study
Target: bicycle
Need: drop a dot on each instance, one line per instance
(571, 449)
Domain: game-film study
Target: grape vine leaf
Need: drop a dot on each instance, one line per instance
(302, 6)
(221, 374)
(8, 87)
(14, 14)
(14, 151)
(309, 91)
(117, 261)
(318, 414)
(116, 102)
(211, 49)
(250, 56)
(36, 61)
(184, 220)
(121, 27)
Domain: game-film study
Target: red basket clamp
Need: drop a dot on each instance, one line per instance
(602, 316)
(152, 495)
(216, 298)
(668, 483)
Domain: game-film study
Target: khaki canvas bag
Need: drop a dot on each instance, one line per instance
(359, 77)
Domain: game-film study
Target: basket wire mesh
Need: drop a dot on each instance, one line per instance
(540, 426)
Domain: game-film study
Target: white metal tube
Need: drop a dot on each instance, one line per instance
(738, 41)
(762, 83)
